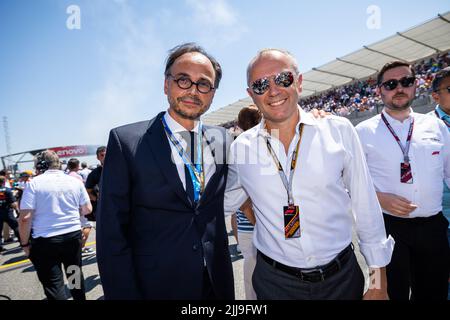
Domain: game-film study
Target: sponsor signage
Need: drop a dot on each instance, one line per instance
(71, 152)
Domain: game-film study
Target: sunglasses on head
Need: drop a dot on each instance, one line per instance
(283, 79)
(406, 82)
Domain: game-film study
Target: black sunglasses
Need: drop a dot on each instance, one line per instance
(406, 82)
(448, 89)
(283, 79)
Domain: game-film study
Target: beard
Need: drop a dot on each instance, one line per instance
(185, 113)
(398, 106)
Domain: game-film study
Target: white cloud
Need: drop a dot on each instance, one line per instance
(133, 53)
(213, 12)
(218, 22)
(133, 58)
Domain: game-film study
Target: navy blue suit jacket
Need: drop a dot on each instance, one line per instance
(152, 242)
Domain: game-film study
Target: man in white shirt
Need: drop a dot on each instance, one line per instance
(408, 155)
(84, 172)
(50, 229)
(297, 170)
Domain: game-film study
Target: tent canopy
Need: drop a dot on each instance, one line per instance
(427, 39)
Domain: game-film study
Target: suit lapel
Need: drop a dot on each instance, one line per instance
(157, 141)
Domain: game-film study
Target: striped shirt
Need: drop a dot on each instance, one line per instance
(244, 225)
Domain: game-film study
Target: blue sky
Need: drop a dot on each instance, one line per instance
(68, 87)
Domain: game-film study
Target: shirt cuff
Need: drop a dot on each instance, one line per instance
(378, 255)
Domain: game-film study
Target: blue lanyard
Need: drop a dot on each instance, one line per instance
(195, 170)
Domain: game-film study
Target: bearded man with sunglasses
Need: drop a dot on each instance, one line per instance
(408, 155)
(161, 227)
(304, 175)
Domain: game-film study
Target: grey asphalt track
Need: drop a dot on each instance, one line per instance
(18, 279)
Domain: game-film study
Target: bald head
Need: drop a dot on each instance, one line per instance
(272, 54)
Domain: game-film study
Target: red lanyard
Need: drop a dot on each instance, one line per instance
(405, 149)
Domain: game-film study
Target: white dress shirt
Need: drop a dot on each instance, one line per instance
(330, 162)
(56, 199)
(429, 155)
(209, 165)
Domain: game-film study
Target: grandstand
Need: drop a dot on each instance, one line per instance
(345, 86)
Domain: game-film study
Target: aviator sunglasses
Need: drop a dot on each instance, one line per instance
(283, 79)
(406, 82)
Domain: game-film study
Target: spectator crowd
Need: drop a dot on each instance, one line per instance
(360, 95)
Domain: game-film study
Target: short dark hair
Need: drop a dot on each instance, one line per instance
(100, 149)
(248, 117)
(178, 51)
(439, 77)
(392, 65)
(84, 165)
(73, 164)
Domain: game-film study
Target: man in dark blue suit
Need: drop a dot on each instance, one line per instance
(160, 227)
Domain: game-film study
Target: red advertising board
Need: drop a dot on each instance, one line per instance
(71, 152)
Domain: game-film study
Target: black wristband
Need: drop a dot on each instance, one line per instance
(25, 245)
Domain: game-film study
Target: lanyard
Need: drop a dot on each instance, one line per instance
(445, 121)
(405, 149)
(195, 170)
(287, 184)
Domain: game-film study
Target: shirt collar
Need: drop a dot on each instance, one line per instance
(441, 113)
(395, 121)
(53, 171)
(175, 127)
(305, 118)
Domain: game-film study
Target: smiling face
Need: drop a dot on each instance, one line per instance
(400, 98)
(189, 104)
(278, 104)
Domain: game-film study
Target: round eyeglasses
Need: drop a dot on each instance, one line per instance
(183, 82)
